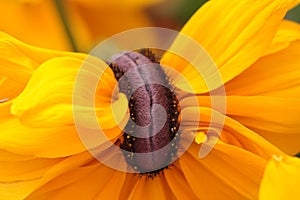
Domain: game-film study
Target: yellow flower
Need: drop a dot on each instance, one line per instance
(39, 23)
(256, 53)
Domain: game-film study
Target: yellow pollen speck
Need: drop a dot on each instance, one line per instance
(200, 137)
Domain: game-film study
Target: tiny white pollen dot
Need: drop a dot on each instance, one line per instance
(4, 100)
(277, 158)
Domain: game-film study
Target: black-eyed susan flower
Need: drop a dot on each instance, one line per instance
(39, 22)
(256, 53)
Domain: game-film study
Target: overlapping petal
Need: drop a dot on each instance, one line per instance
(19, 60)
(25, 169)
(65, 180)
(47, 142)
(220, 176)
(9, 89)
(235, 34)
(287, 32)
(21, 188)
(178, 184)
(18, 64)
(265, 97)
(45, 110)
(47, 98)
(275, 75)
(276, 119)
(42, 124)
(148, 189)
(233, 132)
(281, 179)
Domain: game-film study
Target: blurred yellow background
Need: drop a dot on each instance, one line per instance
(78, 25)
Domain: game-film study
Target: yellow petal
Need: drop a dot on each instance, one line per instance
(83, 185)
(148, 189)
(117, 180)
(273, 75)
(281, 179)
(45, 107)
(47, 99)
(178, 184)
(129, 183)
(277, 106)
(22, 174)
(68, 178)
(19, 60)
(5, 108)
(15, 65)
(9, 156)
(40, 142)
(56, 169)
(276, 119)
(16, 190)
(233, 132)
(288, 32)
(25, 170)
(72, 167)
(9, 88)
(235, 34)
(227, 172)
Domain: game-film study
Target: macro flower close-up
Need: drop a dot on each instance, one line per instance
(241, 105)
